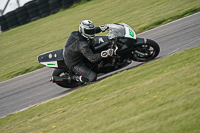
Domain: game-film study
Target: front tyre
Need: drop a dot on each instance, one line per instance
(62, 73)
(145, 52)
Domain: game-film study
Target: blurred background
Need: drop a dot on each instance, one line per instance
(10, 5)
(15, 13)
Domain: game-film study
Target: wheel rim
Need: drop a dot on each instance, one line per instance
(143, 53)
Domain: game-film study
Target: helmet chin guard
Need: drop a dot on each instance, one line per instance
(87, 29)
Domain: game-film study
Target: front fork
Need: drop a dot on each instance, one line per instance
(114, 46)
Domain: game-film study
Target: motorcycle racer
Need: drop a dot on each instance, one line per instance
(77, 47)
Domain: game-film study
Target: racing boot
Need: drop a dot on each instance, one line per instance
(80, 79)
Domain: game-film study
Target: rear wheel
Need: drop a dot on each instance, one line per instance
(63, 73)
(145, 52)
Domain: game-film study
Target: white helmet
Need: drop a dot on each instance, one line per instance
(87, 29)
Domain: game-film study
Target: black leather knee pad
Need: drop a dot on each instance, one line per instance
(81, 69)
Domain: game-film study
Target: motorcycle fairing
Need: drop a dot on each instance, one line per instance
(100, 42)
(129, 32)
(140, 41)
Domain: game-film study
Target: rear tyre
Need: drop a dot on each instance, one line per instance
(61, 73)
(145, 52)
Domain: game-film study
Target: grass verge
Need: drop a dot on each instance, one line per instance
(20, 46)
(168, 19)
(160, 96)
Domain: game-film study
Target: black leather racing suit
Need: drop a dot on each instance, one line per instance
(76, 48)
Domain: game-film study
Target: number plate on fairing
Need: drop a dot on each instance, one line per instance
(129, 32)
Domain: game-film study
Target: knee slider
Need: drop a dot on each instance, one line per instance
(92, 76)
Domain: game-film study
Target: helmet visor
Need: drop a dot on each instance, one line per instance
(89, 31)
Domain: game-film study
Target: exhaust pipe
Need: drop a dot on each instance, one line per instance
(57, 79)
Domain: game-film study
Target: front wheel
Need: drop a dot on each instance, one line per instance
(145, 52)
(62, 73)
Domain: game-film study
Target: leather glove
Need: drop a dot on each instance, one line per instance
(107, 53)
(103, 27)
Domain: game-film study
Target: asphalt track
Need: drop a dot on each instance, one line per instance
(30, 89)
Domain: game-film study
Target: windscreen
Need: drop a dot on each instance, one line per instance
(116, 30)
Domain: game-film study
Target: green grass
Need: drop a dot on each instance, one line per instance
(20, 46)
(158, 97)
